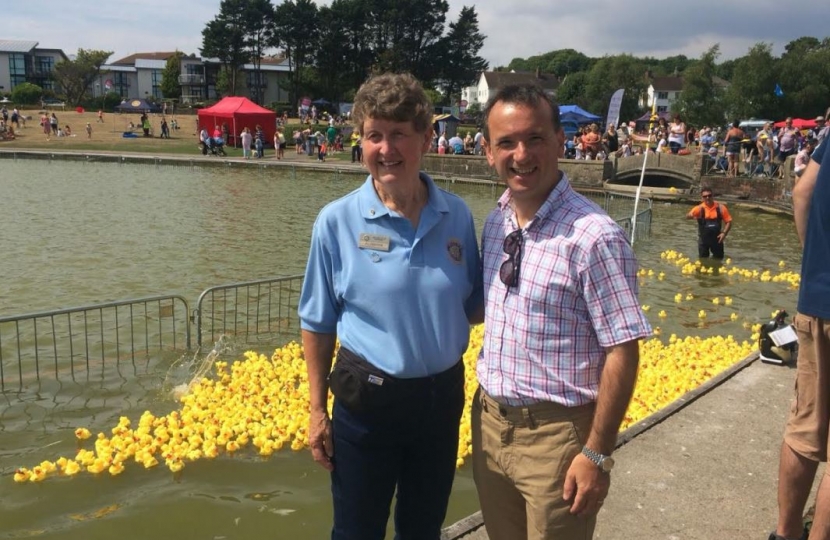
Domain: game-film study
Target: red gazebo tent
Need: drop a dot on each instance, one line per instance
(238, 113)
(798, 123)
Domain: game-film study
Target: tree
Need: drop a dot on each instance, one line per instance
(298, 32)
(26, 94)
(405, 33)
(260, 35)
(751, 93)
(572, 90)
(170, 87)
(75, 77)
(611, 73)
(804, 69)
(701, 101)
(224, 38)
(460, 64)
(561, 62)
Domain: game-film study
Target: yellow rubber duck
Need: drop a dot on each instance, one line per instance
(72, 468)
(82, 433)
(662, 314)
(22, 475)
(37, 474)
(701, 314)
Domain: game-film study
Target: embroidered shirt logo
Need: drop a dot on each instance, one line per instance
(454, 250)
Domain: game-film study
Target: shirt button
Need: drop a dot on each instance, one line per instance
(371, 211)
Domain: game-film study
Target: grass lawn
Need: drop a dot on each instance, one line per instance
(107, 136)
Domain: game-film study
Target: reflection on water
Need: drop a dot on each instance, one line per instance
(77, 233)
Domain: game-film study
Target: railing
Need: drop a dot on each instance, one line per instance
(77, 340)
(191, 79)
(250, 311)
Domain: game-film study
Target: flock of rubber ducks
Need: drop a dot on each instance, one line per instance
(259, 404)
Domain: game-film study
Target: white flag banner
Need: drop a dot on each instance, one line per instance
(614, 108)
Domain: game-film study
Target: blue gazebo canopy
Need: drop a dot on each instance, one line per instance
(575, 113)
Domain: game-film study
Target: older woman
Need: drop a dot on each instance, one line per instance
(393, 273)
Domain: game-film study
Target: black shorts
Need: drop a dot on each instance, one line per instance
(784, 154)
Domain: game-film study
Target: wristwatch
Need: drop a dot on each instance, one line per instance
(605, 463)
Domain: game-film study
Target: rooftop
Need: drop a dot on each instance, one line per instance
(16, 46)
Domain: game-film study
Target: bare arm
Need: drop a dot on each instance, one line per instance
(802, 194)
(615, 389)
(584, 482)
(319, 350)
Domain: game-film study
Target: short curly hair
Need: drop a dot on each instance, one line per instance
(397, 97)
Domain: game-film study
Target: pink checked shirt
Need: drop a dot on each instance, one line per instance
(545, 338)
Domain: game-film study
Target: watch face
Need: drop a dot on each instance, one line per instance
(607, 464)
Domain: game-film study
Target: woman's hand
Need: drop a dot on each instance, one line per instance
(320, 440)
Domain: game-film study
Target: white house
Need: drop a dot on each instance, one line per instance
(490, 81)
(661, 93)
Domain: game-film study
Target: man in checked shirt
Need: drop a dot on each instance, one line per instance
(562, 324)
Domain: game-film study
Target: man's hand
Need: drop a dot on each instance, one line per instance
(319, 439)
(721, 236)
(585, 486)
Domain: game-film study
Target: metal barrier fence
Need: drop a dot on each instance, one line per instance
(78, 340)
(254, 310)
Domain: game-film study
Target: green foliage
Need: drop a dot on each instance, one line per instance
(561, 63)
(701, 101)
(26, 94)
(75, 77)
(457, 54)
(750, 93)
(298, 32)
(224, 38)
(609, 74)
(170, 87)
(434, 96)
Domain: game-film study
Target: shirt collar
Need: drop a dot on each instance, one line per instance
(371, 207)
(553, 202)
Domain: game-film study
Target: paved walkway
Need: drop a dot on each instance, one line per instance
(708, 470)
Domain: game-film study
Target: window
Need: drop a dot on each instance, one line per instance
(155, 80)
(251, 79)
(662, 108)
(17, 69)
(44, 65)
(120, 83)
(662, 95)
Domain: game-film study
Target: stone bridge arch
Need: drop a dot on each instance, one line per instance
(662, 170)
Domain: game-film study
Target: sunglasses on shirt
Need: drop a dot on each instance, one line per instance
(509, 270)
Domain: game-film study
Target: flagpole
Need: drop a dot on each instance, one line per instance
(637, 197)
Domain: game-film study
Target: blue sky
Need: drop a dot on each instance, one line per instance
(519, 28)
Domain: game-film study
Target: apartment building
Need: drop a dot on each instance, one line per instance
(23, 61)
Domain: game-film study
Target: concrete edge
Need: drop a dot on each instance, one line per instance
(677, 405)
(475, 521)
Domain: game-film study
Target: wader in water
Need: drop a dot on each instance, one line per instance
(707, 237)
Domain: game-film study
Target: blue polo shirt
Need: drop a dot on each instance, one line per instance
(814, 293)
(400, 297)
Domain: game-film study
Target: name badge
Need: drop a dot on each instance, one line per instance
(378, 242)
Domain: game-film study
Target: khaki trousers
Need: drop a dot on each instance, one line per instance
(808, 426)
(520, 458)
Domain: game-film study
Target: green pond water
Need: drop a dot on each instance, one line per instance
(76, 234)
